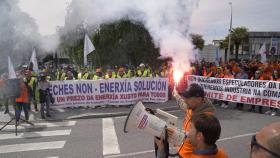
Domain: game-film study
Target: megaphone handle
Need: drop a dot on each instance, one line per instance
(166, 144)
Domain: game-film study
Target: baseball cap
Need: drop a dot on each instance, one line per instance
(194, 90)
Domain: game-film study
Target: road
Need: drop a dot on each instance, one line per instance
(104, 137)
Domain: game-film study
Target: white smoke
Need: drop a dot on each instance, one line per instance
(18, 34)
(166, 20)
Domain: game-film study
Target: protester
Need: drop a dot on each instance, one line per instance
(266, 143)
(32, 83)
(203, 134)
(193, 102)
(43, 87)
(244, 76)
(23, 101)
(275, 77)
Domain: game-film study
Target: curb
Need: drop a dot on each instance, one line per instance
(106, 115)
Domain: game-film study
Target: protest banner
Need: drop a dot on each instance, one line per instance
(109, 92)
(255, 92)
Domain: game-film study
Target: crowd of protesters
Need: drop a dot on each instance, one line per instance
(48, 72)
(252, 70)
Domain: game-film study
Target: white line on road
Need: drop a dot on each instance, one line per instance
(60, 110)
(110, 139)
(43, 124)
(35, 134)
(237, 136)
(31, 146)
(150, 151)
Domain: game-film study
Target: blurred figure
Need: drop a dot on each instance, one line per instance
(142, 72)
(257, 76)
(98, 74)
(266, 143)
(275, 77)
(69, 76)
(244, 76)
(32, 83)
(121, 73)
(44, 95)
(23, 101)
(227, 74)
(109, 74)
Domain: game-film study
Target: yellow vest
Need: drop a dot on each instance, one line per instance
(124, 76)
(63, 75)
(144, 74)
(31, 82)
(79, 76)
(107, 76)
(85, 77)
(95, 77)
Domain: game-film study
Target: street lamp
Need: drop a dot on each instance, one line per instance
(230, 27)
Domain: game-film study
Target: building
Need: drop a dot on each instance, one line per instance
(210, 54)
(270, 39)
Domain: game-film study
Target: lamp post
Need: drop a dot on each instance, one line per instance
(230, 27)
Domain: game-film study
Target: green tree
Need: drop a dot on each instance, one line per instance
(239, 36)
(197, 41)
(123, 42)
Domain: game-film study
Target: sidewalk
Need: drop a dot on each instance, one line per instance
(85, 113)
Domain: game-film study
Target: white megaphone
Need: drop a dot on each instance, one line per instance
(141, 120)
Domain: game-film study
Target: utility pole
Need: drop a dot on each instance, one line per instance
(229, 36)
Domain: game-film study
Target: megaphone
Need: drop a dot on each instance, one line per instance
(141, 120)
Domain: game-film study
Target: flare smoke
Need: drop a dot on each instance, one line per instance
(166, 20)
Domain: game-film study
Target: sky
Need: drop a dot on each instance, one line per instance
(211, 19)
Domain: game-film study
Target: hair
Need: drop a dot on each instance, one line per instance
(209, 126)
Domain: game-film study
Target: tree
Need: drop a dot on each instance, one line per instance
(239, 36)
(197, 41)
(123, 42)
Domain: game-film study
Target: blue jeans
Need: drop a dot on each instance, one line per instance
(45, 106)
(19, 107)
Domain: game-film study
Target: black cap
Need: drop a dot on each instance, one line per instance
(194, 90)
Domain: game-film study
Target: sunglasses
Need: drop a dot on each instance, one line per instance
(256, 144)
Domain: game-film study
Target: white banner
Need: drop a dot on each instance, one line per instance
(256, 92)
(109, 92)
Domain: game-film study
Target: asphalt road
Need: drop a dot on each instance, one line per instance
(104, 137)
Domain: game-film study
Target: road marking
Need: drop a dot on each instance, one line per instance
(150, 151)
(130, 154)
(237, 136)
(60, 110)
(110, 139)
(42, 125)
(35, 134)
(31, 146)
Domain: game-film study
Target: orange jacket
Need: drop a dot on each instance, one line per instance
(187, 148)
(228, 76)
(24, 95)
(219, 154)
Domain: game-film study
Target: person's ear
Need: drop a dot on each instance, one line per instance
(199, 136)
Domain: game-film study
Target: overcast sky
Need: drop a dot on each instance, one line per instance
(211, 18)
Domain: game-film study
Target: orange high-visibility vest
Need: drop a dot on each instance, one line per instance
(24, 96)
(220, 154)
(187, 148)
